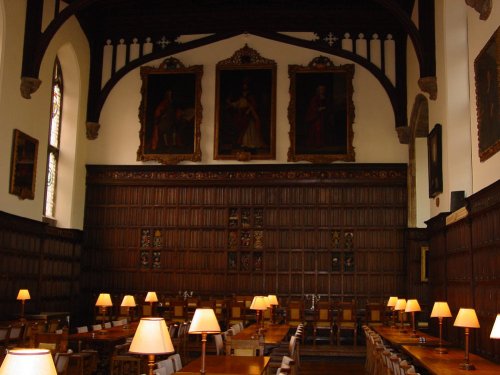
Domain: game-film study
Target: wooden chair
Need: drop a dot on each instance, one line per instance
(53, 325)
(55, 342)
(4, 336)
(323, 320)
(237, 313)
(178, 311)
(219, 344)
(176, 359)
(166, 366)
(125, 365)
(250, 347)
(61, 361)
(346, 320)
(294, 313)
(374, 314)
(17, 334)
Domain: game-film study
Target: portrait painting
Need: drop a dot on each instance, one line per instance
(170, 113)
(321, 112)
(23, 165)
(486, 70)
(435, 161)
(245, 107)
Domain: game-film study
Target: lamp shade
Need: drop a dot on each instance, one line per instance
(259, 303)
(151, 297)
(495, 332)
(204, 321)
(273, 300)
(28, 361)
(128, 301)
(104, 300)
(412, 305)
(23, 294)
(466, 318)
(400, 304)
(151, 337)
(392, 301)
(440, 310)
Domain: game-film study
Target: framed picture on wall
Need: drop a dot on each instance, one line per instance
(424, 264)
(321, 112)
(245, 113)
(170, 113)
(486, 68)
(435, 160)
(23, 165)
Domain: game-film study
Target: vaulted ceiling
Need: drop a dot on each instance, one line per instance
(161, 22)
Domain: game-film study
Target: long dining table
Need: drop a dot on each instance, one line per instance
(228, 365)
(448, 363)
(273, 335)
(397, 337)
(104, 342)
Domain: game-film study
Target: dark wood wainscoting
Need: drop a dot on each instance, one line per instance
(42, 259)
(335, 230)
(464, 267)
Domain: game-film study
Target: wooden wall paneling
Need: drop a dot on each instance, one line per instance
(297, 221)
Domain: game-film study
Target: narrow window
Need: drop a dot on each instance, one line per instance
(54, 140)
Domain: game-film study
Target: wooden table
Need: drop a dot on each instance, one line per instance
(104, 341)
(397, 338)
(448, 364)
(224, 364)
(273, 334)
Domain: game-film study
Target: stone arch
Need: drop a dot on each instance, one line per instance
(418, 128)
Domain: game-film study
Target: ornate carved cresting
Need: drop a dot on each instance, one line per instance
(28, 86)
(483, 7)
(429, 85)
(93, 130)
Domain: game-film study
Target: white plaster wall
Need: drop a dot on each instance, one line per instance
(375, 138)
(479, 32)
(32, 117)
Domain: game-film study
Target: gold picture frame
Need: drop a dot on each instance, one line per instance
(245, 108)
(170, 113)
(487, 78)
(424, 264)
(23, 165)
(321, 112)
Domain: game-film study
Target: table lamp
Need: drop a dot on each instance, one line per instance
(466, 318)
(103, 301)
(22, 296)
(495, 331)
(151, 297)
(204, 322)
(128, 302)
(401, 306)
(259, 304)
(151, 338)
(413, 306)
(390, 304)
(440, 310)
(273, 301)
(28, 361)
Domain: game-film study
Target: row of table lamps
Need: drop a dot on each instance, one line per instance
(466, 318)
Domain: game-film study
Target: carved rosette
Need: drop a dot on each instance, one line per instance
(29, 85)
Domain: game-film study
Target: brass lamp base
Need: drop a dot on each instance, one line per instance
(441, 350)
(467, 366)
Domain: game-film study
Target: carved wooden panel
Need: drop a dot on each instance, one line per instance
(248, 230)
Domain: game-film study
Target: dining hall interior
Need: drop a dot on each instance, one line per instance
(250, 187)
